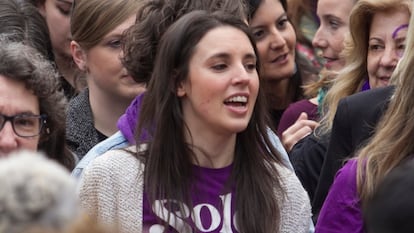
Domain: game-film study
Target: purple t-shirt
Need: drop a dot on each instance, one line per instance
(341, 211)
(213, 210)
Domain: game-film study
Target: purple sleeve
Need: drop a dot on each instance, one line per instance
(289, 116)
(341, 211)
(292, 113)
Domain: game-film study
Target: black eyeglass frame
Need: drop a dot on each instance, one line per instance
(42, 122)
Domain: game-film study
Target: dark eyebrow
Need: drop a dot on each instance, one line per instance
(261, 26)
(26, 113)
(220, 55)
(23, 113)
(65, 2)
(250, 56)
(227, 56)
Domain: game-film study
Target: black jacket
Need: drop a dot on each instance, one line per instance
(354, 123)
(307, 157)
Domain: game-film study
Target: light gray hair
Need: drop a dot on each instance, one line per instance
(35, 193)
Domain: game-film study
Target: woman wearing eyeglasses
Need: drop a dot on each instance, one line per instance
(32, 110)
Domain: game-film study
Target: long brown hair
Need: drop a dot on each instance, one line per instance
(168, 172)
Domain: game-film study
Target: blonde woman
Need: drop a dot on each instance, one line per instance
(390, 146)
(302, 117)
(355, 117)
(372, 51)
(369, 64)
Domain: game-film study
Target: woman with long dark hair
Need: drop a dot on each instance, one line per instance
(209, 164)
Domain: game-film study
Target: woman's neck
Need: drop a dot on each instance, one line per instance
(212, 151)
(106, 110)
(66, 69)
(277, 93)
(314, 101)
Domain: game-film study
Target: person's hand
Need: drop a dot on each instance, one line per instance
(300, 129)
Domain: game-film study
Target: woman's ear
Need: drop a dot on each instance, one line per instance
(180, 86)
(181, 89)
(41, 8)
(79, 55)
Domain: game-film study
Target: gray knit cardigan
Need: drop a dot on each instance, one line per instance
(112, 188)
(81, 134)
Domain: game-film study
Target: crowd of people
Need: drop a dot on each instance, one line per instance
(290, 116)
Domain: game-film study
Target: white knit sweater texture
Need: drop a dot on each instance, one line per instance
(112, 188)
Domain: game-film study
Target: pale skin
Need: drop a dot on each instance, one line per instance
(300, 129)
(386, 45)
(334, 18)
(329, 38)
(57, 16)
(16, 99)
(219, 94)
(111, 88)
(275, 41)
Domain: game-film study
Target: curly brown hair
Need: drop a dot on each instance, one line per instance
(25, 64)
(153, 19)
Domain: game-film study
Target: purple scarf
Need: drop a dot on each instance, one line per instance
(128, 121)
(366, 85)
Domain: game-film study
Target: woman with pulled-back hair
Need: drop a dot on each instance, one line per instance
(97, 28)
(391, 145)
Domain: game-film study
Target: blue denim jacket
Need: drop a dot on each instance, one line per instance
(115, 141)
(118, 140)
